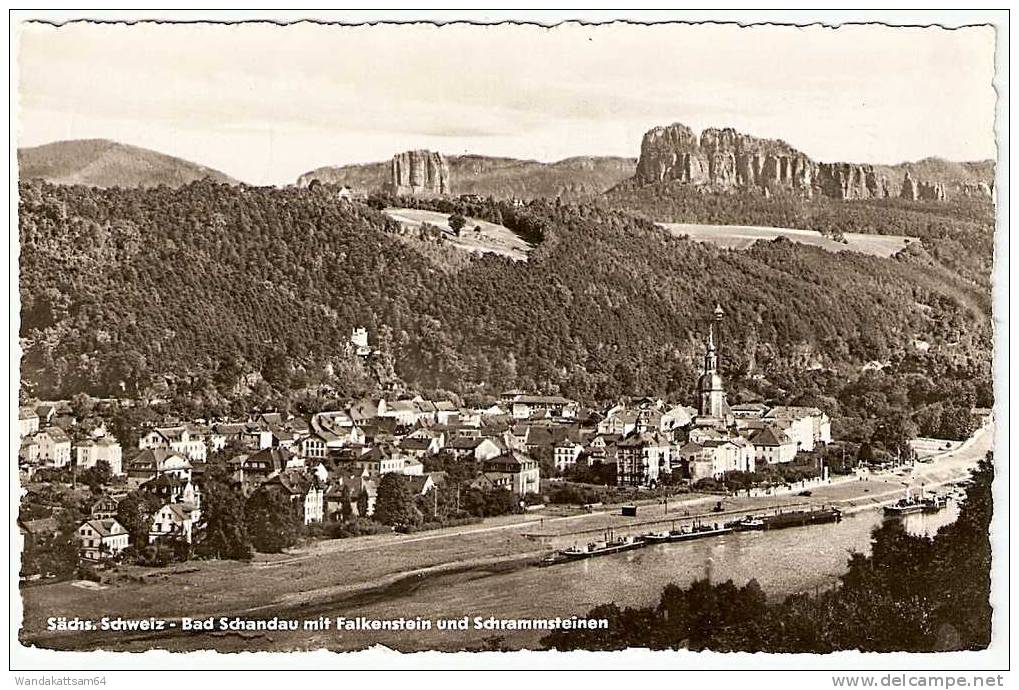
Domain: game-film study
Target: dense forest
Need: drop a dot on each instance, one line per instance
(211, 293)
(911, 593)
(957, 233)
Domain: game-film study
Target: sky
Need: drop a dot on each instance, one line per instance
(264, 103)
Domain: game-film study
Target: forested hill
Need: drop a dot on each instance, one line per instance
(958, 233)
(104, 163)
(189, 291)
(500, 178)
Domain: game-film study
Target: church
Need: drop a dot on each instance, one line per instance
(712, 439)
(714, 445)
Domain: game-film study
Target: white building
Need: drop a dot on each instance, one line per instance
(88, 453)
(807, 426)
(566, 454)
(773, 446)
(101, 539)
(176, 438)
(28, 421)
(54, 447)
(174, 520)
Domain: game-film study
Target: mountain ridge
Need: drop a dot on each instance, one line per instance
(497, 176)
(106, 163)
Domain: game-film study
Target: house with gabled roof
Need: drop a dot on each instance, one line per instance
(772, 445)
(104, 508)
(101, 538)
(179, 439)
(566, 453)
(516, 471)
(173, 489)
(153, 462)
(356, 485)
(302, 489)
(419, 484)
(174, 521)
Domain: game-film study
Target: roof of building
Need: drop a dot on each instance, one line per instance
(527, 399)
(511, 461)
(749, 407)
(230, 428)
(171, 433)
(56, 434)
(641, 439)
(155, 459)
(792, 412)
(415, 444)
(46, 525)
(770, 436)
(417, 483)
(104, 528)
(294, 482)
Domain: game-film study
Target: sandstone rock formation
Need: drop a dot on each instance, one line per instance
(928, 191)
(932, 191)
(852, 181)
(722, 158)
(670, 153)
(978, 189)
(909, 190)
(419, 173)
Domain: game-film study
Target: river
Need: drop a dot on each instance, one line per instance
(783, 562)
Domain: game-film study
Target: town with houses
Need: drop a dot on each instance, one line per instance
(338, 456)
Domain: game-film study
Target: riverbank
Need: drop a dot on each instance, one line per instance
(455, 571)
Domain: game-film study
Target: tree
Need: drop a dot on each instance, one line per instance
(223, 506)
(272, 521)
(395, 504)
(82, 405)
(457, 222)
(135, 512)
(362, 504)
(346, 510)
(94, 477)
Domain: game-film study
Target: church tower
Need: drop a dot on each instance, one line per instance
(711, 391)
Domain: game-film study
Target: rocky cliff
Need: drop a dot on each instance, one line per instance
(853, 181)
(721, 158)
(419, 173)
(724, 159)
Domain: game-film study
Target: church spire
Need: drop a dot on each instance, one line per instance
(710, 355)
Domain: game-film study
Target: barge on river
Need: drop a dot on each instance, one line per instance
(605, 547)
(794, 518)
(698, 531)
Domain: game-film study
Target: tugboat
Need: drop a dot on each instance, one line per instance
(934, 504)
(904, 506)
(750, 523)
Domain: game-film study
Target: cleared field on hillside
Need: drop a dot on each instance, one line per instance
(492, 239)
(743, 236)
